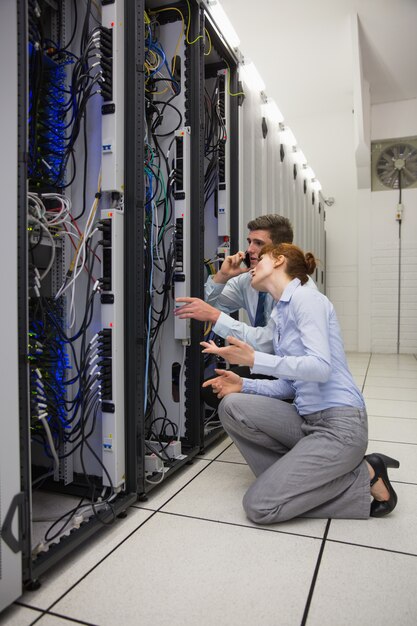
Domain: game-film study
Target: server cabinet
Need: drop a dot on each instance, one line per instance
(10, 466)
(69, 435)
(188, 203)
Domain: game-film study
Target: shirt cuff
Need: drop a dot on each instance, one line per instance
(265, 364)
(249, 386)
(223, 325)
(213, 288)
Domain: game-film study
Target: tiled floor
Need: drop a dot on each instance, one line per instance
(189, 556)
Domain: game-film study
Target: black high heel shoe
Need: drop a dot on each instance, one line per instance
(380, 463)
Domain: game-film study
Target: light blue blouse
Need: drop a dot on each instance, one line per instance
(309, 358)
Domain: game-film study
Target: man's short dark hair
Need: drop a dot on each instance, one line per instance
(278, 226)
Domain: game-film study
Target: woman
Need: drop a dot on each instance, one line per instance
(308, 456)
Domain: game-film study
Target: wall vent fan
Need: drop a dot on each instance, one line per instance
(392, 159)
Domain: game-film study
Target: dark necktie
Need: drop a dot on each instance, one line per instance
(260, 310)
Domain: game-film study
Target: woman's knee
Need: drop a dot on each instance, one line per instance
(229, 407)
(258, 510)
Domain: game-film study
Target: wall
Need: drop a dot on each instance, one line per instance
(393, 120)
(362, 234)
(338, 179)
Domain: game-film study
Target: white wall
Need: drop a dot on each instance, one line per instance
(393, 120)
(362, 233)
(338, 179)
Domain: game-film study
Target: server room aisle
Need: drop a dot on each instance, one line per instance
(189, 556)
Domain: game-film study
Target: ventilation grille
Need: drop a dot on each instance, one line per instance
(384, 175)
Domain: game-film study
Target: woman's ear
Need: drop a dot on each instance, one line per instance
(279, 261)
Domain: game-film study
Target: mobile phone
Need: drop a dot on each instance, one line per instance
(246, 260)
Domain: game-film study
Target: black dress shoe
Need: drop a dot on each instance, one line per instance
(380, 463)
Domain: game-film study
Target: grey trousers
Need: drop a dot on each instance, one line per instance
(310, 466)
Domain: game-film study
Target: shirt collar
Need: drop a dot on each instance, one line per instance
(289, 290)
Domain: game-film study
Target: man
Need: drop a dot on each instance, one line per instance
(229, 290)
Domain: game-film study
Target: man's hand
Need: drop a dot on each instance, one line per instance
(225, 383)
(230, 268)
(237, 353)
(196, 309)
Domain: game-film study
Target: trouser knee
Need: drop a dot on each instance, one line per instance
(254, 508)
(229, 408)
(258, 511)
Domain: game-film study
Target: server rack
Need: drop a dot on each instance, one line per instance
(221, 216)
(11, 496)
(21, 564)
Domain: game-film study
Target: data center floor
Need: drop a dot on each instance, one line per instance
(189, 556)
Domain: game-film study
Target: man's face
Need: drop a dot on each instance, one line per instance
(256, 240)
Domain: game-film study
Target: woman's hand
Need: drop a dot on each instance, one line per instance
(226, 382)
(237, 353)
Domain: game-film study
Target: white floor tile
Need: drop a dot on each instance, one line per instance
(389, 359)
(392, 429)
(162, 493)
(217, 495)
(358, 355)
(55, 620)
(397, 531)
(386, 381)
(364, 586)
(232, 455)
(393, 372)
(57, 580)
(406, 454)
(397, 394)
(358, 370)
(16, 615)
(392, 408)
(186, 572)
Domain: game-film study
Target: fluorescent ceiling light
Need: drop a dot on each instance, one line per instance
(271, 111)
(251, 76)
(223, 22)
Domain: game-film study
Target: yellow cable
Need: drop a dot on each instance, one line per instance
(188, 27)
(239, 93)
(209, 38)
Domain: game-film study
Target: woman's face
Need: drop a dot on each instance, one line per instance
(262, 272)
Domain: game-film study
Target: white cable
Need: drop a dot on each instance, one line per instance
(156, 482)
(80, 251)
(42, 417)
